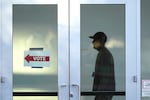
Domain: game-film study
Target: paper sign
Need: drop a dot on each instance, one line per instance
(146, 88)
(36, 58)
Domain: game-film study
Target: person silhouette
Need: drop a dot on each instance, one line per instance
(104, 76)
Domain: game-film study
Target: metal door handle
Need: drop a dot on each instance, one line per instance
(63, 85)
(71, 93)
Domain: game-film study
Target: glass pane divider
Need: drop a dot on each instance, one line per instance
(89, 93)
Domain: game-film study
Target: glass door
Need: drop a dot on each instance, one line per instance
(34, 45)
(145, 64)
(103, 49)
(49, 49)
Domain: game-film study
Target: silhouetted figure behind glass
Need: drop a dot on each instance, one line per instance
(104, 78)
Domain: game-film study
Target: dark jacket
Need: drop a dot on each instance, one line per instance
(104, 77)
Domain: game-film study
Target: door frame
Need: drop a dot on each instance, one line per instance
(132, 22)
(7, 67)
(132, 48)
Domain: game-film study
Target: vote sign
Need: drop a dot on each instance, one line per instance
(36, 58)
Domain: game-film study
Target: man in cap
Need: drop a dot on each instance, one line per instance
(104, 77)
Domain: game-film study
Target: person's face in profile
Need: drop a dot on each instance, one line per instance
(96, 44)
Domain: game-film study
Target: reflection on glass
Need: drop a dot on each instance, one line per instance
(109, 19)
(34, 26)
(104, 77)
(145, 48)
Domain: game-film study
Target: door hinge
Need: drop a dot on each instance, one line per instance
(2, 79)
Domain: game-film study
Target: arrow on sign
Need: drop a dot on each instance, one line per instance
(29, 58)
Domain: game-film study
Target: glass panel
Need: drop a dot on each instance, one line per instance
(34, 98)
(35, 48)
(145, 48)
(92, 98)
(101, 65)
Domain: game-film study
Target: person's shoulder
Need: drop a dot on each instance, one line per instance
(107, 52)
